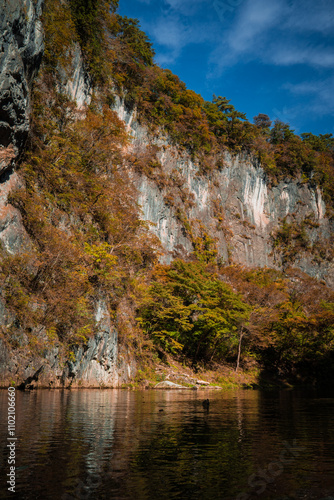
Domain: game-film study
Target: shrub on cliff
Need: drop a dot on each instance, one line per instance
(79, 211)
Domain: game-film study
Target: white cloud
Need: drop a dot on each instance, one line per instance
(310, 16)
(277, 33)
(170, 33)
(319, 95)
(271, 31)
(286, 114)
(186, 7)
(295, 35)
(286, 55)
(254, 20)
(246, 38)
(166, 59)
(173, 33)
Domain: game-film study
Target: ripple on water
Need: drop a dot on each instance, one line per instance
(118, 444)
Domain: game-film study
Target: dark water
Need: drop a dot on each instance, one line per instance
(114, 444)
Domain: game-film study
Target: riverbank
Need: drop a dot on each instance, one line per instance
(175, 374)
(171, 374)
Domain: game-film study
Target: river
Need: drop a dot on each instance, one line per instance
(147, 445)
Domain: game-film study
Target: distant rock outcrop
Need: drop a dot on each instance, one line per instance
(166, 384)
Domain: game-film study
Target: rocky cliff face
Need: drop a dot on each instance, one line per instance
(235, 205)
(251, 211)
(102, 363)
(21, 49)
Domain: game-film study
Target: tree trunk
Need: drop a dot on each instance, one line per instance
(239, 349)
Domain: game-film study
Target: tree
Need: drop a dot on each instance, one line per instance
(236, 117)
(262, 121)
(280, 132)
(136, 39)
(225, 120)
(223, 104)
(321, 143)
(90, 18)
(189, 308)
(228, 110)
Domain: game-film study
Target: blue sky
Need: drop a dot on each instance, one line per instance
(267, 56)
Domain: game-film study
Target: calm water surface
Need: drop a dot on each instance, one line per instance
(117, 444)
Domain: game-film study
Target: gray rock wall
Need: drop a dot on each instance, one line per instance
(21, 48)
(100, 363)
(236, 204)
(77, 84)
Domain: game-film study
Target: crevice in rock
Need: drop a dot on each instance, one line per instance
(27, 384)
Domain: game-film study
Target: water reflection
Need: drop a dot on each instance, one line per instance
(119, 445)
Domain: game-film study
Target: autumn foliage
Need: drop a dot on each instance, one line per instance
(79, 209)
(87, 237)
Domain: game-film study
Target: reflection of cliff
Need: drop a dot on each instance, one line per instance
(65, 437)
(117, 444)
(183, 448)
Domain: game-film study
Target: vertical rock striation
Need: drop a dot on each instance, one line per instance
(21, 49)
(236, 204)
(101, 362)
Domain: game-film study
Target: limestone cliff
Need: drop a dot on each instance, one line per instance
(101, 363)
(21, 49)
(235, 204)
